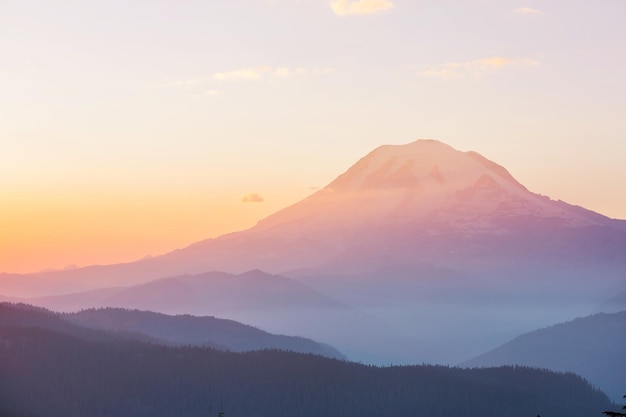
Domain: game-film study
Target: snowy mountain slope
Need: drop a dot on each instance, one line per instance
(417, 196)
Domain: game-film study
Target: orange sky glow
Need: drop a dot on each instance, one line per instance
(136, 128)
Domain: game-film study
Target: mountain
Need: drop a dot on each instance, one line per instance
(27, 316)
(409, 204)
(220, 291)
(187, 330)
(271, 302)
(145, 326)
(444, 247)
(49, 373)
(592, 347)
(418, 203)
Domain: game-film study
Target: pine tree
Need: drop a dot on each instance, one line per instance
(616, 413)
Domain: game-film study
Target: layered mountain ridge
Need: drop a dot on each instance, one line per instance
(442, 248)
(47, 371)
(158, 329)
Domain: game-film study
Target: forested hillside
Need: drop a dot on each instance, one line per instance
(159, 328)
(591, 346)
(45, 373)
(197, 331)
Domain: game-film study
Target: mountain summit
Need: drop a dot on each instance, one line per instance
(422, 182)
(419, 202)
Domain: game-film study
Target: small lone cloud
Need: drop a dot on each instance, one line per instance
(475, 68)
(252, 198)
(360, 7)
(526, 10)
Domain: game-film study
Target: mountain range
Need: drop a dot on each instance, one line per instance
(270, 302)
(161, 329)
(46, 369)
(417, 253)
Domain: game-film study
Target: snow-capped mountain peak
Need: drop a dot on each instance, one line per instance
(418, 182)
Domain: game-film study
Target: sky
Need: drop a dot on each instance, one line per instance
(132, 128)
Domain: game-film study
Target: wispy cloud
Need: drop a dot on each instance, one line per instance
(526, 10)
(210, 86)
(360, 7)
(252, 198)
(194, 86)
(242, 74)
(247, 74)
(189, 82)
(477, 67)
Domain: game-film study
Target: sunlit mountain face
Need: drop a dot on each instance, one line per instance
(444, 249)
(420, 202)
